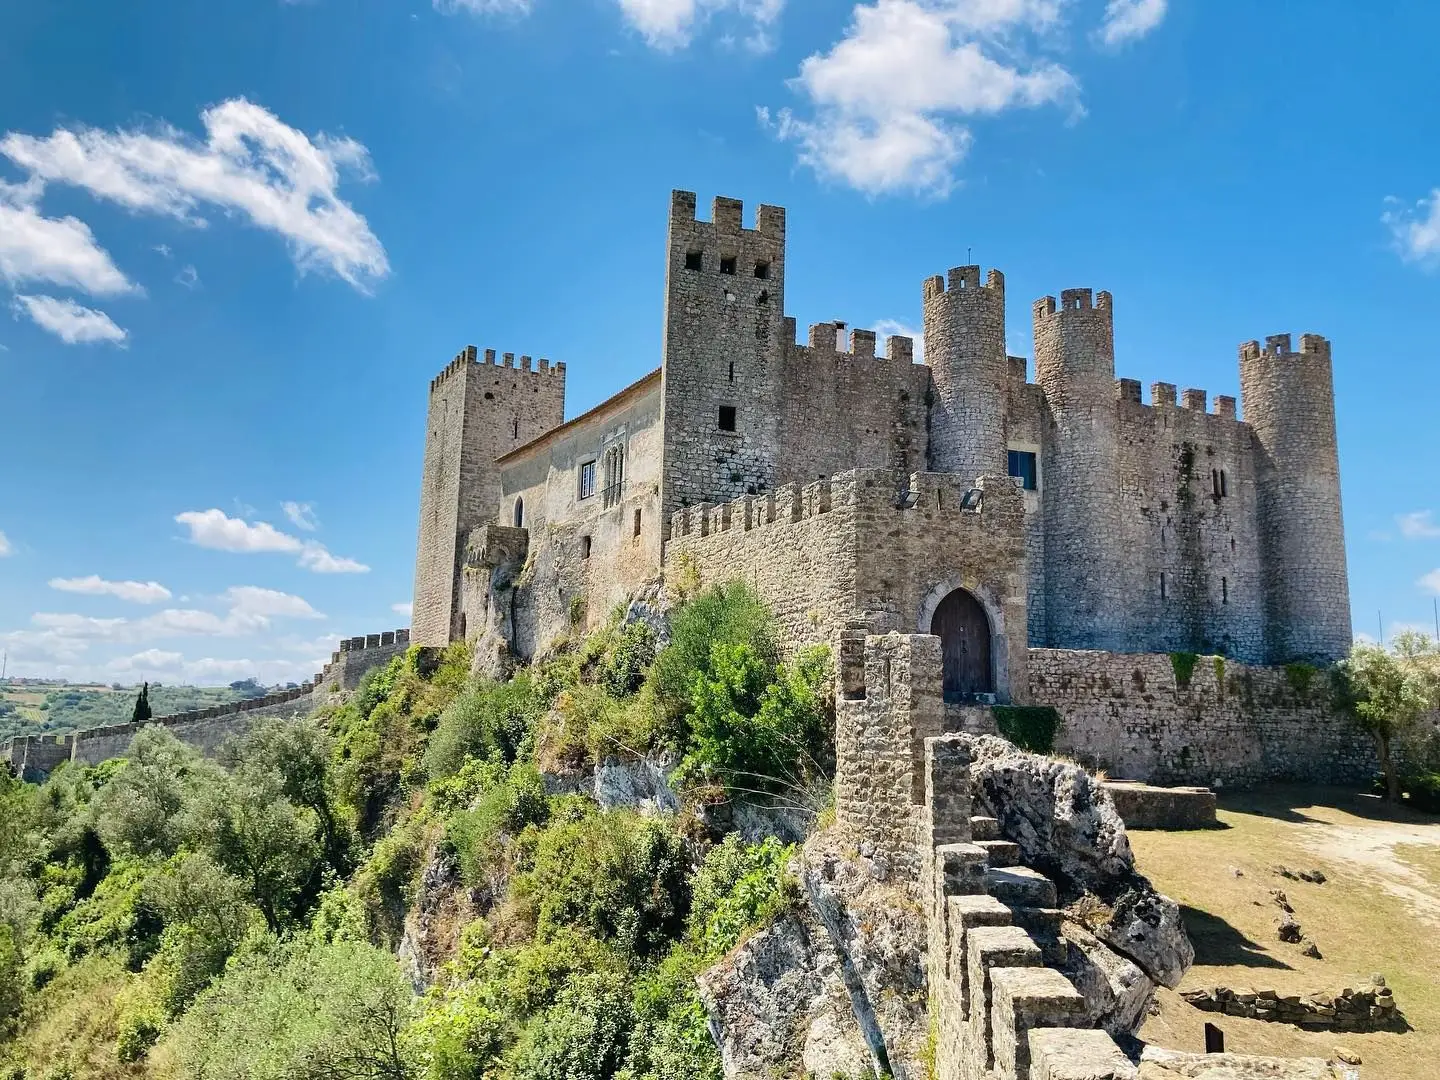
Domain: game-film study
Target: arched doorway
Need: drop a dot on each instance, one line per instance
(964, 632)
(519, 512)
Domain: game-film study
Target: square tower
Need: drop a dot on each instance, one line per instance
(479, 409)
(724, 324)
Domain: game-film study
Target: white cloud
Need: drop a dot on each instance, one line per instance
(886, 98)
(253, 600)
(56, 251)
(484, 7)
(894, 328)
(140, 592)
(250, 163)
(668, 25)
(1416, 229)
(405, 607)
(1130, 20)
(216, 529)
(1418, 525)
(301, 515)
(149, 662)
(188, 277)
(1431, 581)
(72, 323)
(316, 558)
(5, 548)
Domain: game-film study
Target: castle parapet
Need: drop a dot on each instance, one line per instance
(787, 503)
(469, 357)
(828, 339)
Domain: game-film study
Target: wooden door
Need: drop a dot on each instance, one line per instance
(964, 634)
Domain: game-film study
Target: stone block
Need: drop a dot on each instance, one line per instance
(1077, 1054)
(1022, 999)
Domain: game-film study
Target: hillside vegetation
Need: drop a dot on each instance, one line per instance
(163, 915)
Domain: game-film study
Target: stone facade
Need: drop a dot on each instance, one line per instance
(1142, 527)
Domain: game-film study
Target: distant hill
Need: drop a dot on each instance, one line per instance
(35, 707)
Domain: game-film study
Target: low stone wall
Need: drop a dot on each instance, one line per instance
(1363, 1006)
(1143, 806)
(358, 655)
(1227, 724)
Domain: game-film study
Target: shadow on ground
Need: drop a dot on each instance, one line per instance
(1288, 802)
(1218, 944)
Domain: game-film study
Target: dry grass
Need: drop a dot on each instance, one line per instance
(1378, 911)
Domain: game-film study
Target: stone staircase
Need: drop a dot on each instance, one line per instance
(1003, 1010)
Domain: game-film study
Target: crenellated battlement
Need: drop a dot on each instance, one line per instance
(787, 503)
(831, 339)
(965, 280)
(1279, 345)
(726, 215)
(469, 356)
(1073, 300)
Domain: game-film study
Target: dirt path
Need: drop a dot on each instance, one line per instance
(1370, 848)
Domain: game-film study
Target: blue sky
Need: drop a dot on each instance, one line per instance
(238, 238)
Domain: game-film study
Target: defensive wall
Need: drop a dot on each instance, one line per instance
(33, 757)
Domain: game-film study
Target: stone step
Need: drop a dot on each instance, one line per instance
(1043, 926)
(1023, 999)
(984, 828)
(963, 913)
(1077, 1054)
(1000, 852)
(1019, 886)
(987, 949)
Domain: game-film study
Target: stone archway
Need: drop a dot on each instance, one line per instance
(966, 645)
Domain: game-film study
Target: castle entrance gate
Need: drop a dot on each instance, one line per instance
(964, 632)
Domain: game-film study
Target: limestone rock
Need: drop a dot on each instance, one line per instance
(1158, 1064)
(1068, 829)
(1117, 993)
(433, 922)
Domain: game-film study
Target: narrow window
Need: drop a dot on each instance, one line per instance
(764, 298)
(1224, 591)
(727, 265)
(1232, 543)
(732, 370)
(584, 547)
(636, 532)
(587, 479)
(727, 417)
(1224, 487)
(519, 513)
(1215, 482)
(762, 270)
(694, 260)
(1162, 584)
(1022, 466)
(516, 433)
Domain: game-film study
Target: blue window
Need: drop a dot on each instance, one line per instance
(1022, 464)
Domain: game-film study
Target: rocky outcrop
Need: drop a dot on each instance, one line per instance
(1066, 827)
(433, 922)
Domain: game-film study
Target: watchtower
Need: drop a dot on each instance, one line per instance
(479, 409)
(965, 351)
(724, 318)
(1289, 402)
(1086, 598)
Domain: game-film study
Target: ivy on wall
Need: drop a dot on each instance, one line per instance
(1030, 727)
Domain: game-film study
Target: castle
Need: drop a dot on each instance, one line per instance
(1002, 514)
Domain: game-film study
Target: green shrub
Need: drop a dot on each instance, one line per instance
(116, 916)
(739, 887)
(583, 1036)
(1184, 665)
(756, 725)
(1030, 727)
(731, 614)
(624, 667)
(512, 799)
(490, 720)
(1301, 677)
(617, 875)
(671, 1037)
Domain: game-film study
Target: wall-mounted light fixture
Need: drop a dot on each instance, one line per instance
(907, 499)
(972, 499)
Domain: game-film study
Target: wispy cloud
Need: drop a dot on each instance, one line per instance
(669, 25)
(889, 328)
(1416, 228)
(1431, 581)
(139, 592)
(405, 607)
(72, 323)
(1418, 525)
(253, 600)
(249, 164)
(189, 277)
(1130, 20)
(216, 529)
(52, 251)
(5, 548)
(484, 7)
(301, 515)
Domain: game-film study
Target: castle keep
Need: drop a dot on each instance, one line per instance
(1044, 529)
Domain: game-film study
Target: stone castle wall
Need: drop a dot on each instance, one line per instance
(1231, 725)
(33, 757)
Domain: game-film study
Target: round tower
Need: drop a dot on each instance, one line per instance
(965, 351)
(1086, 562)
(1289, 402)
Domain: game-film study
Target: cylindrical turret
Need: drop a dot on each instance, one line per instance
(1289, 403)
(1087, 570)
(965, 351)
